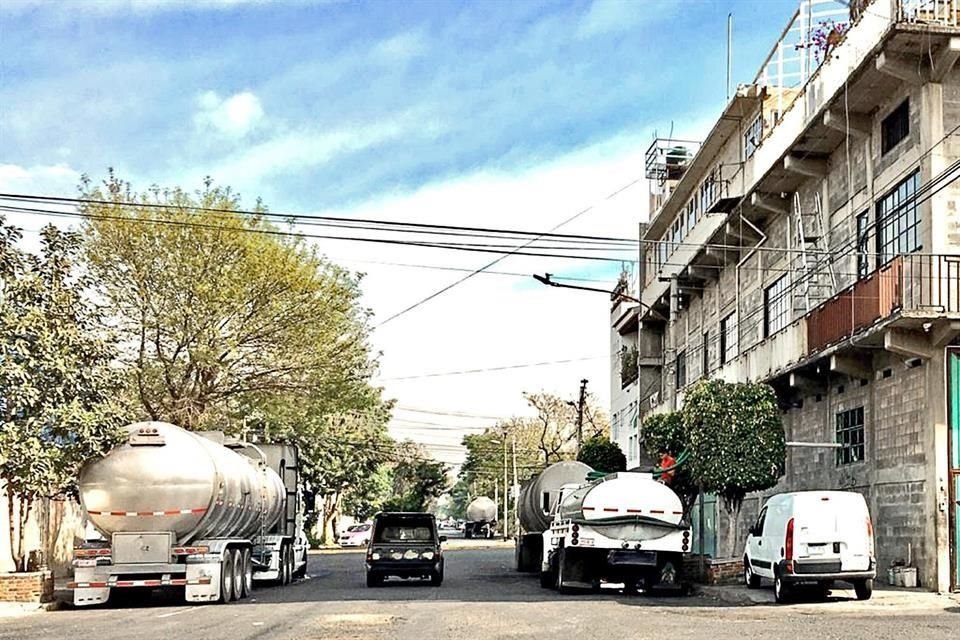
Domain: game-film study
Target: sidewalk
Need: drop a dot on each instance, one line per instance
(17, 609)
(840, 599)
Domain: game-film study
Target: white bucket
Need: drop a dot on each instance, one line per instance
(909, 577)
(891, 577)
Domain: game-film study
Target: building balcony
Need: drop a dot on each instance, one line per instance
(915, 287)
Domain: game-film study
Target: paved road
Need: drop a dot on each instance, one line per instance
(482, 598)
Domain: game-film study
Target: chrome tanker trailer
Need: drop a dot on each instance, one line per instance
(481, 518)
(190, 510)
(538, 501)
(624, 528)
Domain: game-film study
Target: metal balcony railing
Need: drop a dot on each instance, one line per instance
(935, 12)
(915, 284)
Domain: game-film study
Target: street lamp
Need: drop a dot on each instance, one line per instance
(545, 279)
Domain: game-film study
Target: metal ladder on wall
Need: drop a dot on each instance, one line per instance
(813, 256)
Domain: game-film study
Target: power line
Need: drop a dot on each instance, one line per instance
(501, 258)
(288, 234)
(490, 369)
(388, 224)
(449, 413)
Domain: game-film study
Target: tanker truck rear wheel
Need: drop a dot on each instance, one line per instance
(238, 577)
(226, 578)
(561, 573)
(247, 564)
(302, 571)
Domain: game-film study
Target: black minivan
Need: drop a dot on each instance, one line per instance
(405, 545)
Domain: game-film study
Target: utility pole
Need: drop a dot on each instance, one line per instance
(580, 403)
(506, 492)
(513, 489)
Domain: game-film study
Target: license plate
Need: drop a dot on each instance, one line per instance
(818, 550)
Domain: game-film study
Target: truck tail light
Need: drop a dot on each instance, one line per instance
(788, 545)
(870, 535)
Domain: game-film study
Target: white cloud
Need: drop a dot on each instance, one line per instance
(234, 116)
(491, 320)
(399, 49)
(614, 16)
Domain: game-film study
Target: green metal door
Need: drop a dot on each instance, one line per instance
(953, 387)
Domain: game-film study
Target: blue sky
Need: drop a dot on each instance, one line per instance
(513, 114)
(389, 95)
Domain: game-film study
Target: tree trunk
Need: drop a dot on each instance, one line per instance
(26, 505)
(12, 531)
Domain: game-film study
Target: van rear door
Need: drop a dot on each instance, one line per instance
(832, 531)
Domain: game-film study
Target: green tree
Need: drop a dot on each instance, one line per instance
(368, 496)
(665, 433)
(218, 308)
(417, 480)
(58, 389)
(736, 435)
(602, 455)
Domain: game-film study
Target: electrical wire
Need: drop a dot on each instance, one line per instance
(492, 263)
(490, 369)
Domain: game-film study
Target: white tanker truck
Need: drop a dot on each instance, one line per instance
(623, 528)
(192, 511)
(481, 518)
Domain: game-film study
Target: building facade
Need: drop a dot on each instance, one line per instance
(812, 241)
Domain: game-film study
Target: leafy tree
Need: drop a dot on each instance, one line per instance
(368, 496)
(58, 390)
(217, 309)
(736, 434)
(556, 423)
(417, 480)
(666, 434)
(602, 455)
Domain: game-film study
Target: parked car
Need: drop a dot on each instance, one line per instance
(812, 538)
(357, 535)
(405, 545)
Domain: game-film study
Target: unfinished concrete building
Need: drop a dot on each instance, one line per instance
(812, 241)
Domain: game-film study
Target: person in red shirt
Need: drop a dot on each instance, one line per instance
(667, 461)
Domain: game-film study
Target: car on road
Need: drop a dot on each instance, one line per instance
(357, 535)
(812, 538)
(405, 545)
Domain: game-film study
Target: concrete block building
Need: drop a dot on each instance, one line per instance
(812, 241)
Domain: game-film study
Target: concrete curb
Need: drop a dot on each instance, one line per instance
(17, 609)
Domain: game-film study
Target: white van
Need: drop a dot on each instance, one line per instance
(813, 538)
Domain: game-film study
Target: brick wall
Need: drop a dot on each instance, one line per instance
(26, 587)
(717, 570)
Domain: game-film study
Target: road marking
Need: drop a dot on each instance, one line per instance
(176, 613)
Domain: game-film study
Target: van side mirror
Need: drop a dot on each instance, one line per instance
(443, 538)
(755, 530)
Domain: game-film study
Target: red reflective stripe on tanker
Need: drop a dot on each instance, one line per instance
(611, 509)
(86, 585)
(168, 512)
(678, 513)
(589, 509)
(660, 511)
(634, 511)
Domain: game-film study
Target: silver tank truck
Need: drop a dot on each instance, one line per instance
(182, 509)
(538, 499)
(481, 518)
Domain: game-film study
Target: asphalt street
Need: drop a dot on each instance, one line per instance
(482, 597)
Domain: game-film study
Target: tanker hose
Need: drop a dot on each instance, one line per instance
(681, 459)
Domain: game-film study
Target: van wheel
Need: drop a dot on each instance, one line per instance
(546, 579)
(750, 579)
(863, 589)
(782, 592)
(374, 579)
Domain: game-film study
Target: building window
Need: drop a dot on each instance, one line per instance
(752, 137)
(705, 362)
(776, 307)
(728, 338)
(895, 127)
(681, 370)
(850, 436)
(898, 221)
(863, 234)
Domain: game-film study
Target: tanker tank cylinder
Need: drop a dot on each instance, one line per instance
(482, 509)
(163, 478)
(539, 496)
